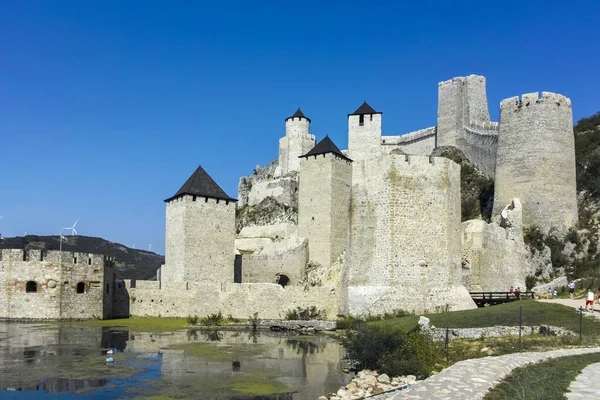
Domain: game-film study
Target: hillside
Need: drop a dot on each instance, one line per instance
(133, 263)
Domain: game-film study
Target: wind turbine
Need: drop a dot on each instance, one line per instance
(72, 228)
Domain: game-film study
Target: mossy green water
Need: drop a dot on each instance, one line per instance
(139, 324)
(219, 352)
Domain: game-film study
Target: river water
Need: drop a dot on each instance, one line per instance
(58, 361)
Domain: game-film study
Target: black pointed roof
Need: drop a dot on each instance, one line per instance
(201, 184)
(364, 109)
(298, 113)
(326, 146)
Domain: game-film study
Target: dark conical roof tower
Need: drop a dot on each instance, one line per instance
(326, 146)
(365, 109)
(201, 184)
(298, 114)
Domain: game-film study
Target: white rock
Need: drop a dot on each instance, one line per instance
(383, 378)
(411, 379)
(322, 398)
(423, 323)
(341, 392)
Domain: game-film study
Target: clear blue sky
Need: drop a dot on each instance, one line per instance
(106, 107)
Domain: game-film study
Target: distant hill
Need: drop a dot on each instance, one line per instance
(133, 263)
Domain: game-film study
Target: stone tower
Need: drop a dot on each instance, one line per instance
(324, 201)
(461, 101)
(297, 141)
(535, 160)
(404, 241)
(200, 232)
(364, 133)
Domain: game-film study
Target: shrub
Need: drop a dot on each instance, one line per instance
(530, 282)
(192, 320)
(534, 238)
(232, 319)
(213, 319)
(392, 351)
(304, 314)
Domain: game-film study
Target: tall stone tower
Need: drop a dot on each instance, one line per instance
(200, 232)
(364, 133)
(535, 160)
(297, 141)
(461, 101)
(324, 201)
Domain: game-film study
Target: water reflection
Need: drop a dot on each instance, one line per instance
(208, 364)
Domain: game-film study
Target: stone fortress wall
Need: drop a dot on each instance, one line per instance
(40, 284)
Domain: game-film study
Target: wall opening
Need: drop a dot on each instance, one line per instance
(31, 287)
(237, 269)
(81, 287)
(89, 261)
(107, 288)
(282, 279)
(361, 120)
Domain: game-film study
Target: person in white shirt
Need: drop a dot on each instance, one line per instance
(571, 289)
(590, 300)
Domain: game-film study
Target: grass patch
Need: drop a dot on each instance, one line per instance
(139, 324)
(545, 380)
(255, 387)
(218, 352)
(534, 313)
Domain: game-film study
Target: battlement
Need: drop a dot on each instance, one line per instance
(425, 161)
(54, 256)
(188, 198)
(530, 99)
(462, 79)
(485, 126)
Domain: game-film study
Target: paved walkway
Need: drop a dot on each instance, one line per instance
(471, 379)
(586, 385)
(575, 304)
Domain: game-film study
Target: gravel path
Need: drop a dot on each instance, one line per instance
(471, 379)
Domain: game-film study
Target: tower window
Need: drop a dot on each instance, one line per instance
(370, 117)
(361, 120)
(81, 287)
(31, 287)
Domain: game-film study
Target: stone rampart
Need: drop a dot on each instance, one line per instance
(536, 160)
(269, 300)
(267, 266)
(404, 246)
(421, 142)
(479, 143)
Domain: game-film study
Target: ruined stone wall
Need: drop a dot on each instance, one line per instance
(266, 265)
(494, 256)
(241, 300)
(284, 190)
(324, 202)
(421, 142)
(364, 141)
(536, 160)
(404, 247)
(199, 240)
(56, 280)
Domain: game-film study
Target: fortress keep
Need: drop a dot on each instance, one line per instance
(368, 230)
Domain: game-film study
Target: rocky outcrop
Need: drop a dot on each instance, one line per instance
(268, 212)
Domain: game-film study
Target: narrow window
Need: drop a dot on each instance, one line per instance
(89, 261)
(193, 198)
(80, 287)
(31, 287)
(74, 260)
(370, 117)
(361, 120)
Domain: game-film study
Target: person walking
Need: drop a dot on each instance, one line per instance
(571, 289)
(518, 293)
(590, 300)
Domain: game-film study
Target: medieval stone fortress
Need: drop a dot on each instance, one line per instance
(367, 230)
